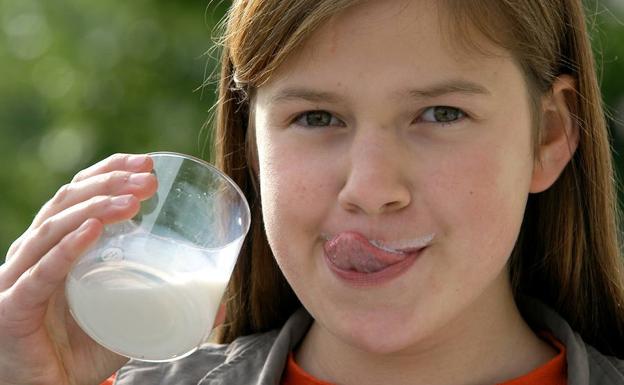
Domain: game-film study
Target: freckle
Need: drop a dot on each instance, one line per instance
(471, 192)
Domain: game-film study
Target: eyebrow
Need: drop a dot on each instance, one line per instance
(449, 87)
(436, 90)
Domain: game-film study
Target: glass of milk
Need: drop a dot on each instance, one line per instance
(151, 287)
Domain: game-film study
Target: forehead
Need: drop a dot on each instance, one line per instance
(390, 43)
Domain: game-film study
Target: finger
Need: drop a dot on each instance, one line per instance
(141, 185)
(122, 162)
(40, 240)
(23, 306)
(14, 246)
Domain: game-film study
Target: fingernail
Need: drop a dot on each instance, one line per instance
(121, 201)
(139, 179)
(136, 160)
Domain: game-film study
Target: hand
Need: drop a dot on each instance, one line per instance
(39, 341)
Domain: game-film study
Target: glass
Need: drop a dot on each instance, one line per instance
(151, 286)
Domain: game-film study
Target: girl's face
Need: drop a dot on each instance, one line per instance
(379, 134)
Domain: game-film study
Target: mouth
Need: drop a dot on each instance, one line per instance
(359, 260)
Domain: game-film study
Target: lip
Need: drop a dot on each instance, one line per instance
(404, 246)
(399, 247)
(358, 279)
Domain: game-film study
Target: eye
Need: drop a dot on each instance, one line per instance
(317, 119)
(442, 114)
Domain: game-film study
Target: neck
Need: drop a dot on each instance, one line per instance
(489, 343)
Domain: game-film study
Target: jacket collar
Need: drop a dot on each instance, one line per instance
(260, 359)
(585, 364)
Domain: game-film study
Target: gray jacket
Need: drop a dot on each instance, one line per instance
(259, 359)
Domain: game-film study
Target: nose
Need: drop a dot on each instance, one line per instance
(376, 181)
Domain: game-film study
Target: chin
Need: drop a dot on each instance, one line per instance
(381, 343)
(380, 336)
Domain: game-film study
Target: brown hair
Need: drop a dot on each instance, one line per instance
(567, 254)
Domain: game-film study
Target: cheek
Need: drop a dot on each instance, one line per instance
(294, 194)
(480, 197)
(289, 187)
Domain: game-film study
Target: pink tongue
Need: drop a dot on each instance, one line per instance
(352, 251)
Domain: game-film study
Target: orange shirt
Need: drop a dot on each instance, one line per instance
(110, 380)
(554, 372)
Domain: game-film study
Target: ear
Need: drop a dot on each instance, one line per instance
(559, 133)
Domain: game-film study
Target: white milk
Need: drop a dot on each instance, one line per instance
(156, 312)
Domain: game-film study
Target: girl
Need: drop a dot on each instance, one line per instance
(432, 196)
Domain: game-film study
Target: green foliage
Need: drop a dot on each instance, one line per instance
(82, 79)
(608, 40)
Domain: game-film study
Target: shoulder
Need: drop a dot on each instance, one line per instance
(604, 369)
(207, 360)
(257, 358)
(586, 365)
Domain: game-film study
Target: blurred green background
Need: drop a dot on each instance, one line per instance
(82, 79)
